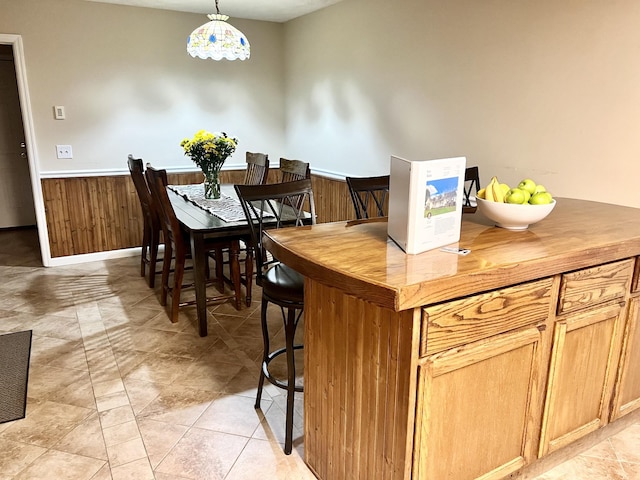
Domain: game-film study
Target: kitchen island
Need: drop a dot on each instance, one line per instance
(441, 366)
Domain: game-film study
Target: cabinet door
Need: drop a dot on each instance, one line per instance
(584, 359)
(476, 408)
(627, 397)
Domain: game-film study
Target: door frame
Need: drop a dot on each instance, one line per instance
(30, 138)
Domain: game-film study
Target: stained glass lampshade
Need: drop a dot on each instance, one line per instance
(218, 39)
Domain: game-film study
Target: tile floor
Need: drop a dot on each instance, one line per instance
(118, 392)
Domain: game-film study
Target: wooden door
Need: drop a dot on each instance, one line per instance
(477, 408)
(583, 365)
(627, 397)
(16, 197)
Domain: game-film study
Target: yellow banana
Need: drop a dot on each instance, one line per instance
(498, 192)
(481, 193)
(489, 191)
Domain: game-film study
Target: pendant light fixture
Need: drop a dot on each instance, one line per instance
(218, 39)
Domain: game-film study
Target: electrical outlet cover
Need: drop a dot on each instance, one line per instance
(64, 151)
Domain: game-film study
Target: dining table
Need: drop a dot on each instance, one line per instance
(222, 219)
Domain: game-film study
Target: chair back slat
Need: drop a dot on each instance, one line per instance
(257, 169)
(142, 188)
(274, 206)
(292, 170)
(157, 180)
(471, 184)
(369, 195)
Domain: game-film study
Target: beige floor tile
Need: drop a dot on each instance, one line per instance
(160, 369)
(15, 456)
(231, 414)
(116, 416)
(103, 474)
(205, 375)
(260, 459)
(61, 466)
(46, 381)
(123, 432)
(627, 444)
(108, 387)
(136, 470)
(178, 405)
(141, 393)
(590, 468)
(57, 352)
(126, 452)
(111, 401)
(47, 424)
(86, 439)
(203, 454)
(632, 470)
(159, 438)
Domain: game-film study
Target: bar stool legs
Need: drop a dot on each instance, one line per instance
(290, 320)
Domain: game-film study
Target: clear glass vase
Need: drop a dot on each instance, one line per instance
(212, 184)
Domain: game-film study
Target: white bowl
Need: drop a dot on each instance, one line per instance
(513, 216)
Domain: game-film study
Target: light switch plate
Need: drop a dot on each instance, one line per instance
(58, 112)
(64, 151)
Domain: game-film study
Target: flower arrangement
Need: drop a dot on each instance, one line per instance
(209, 152)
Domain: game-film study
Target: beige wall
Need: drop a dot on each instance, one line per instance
(542, 89)
(129, 86)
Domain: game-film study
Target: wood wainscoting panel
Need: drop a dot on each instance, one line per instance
(102, 213)
(360, 386)
(332, 198)
(91, 214)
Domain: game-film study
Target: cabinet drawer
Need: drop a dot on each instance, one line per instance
(595, 285)
(482, 316)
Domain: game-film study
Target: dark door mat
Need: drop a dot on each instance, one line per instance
(15, 350)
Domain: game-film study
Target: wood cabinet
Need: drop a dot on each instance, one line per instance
(585, 353)
(480, 378)
(437, 366)
(583, 366)
(477, 408)
(627, 398)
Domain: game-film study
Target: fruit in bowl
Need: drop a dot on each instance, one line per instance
(515, 208)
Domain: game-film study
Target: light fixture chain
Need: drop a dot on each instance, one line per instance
(217, 9)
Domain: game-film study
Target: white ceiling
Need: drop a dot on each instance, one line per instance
(267, 10)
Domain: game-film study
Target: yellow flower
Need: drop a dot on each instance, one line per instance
(209, 150)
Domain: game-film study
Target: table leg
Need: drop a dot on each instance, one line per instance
(248, 273)
(199, 257)
(234, 267)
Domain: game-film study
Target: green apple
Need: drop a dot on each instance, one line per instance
(528, 185)
(516, 195)
(541, 198)
(539, 188)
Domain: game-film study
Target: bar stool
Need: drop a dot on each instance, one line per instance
(274, 206)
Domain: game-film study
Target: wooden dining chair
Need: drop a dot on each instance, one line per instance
(256, 174)
(257, 168)
(151, 222)
(369, 195)
(292, 170)
(177, 247)
(471, 187)
(265, 207)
